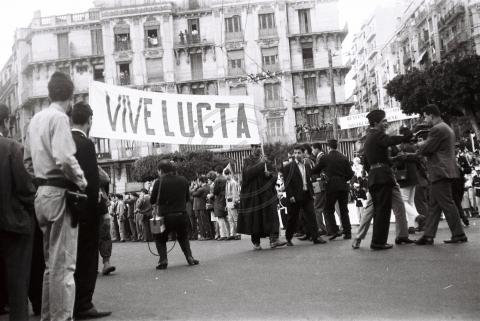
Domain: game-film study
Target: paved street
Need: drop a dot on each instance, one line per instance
(306, 282)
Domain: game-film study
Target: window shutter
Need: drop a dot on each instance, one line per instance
(154, 69)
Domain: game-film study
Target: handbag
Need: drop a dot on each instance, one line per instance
(76, 204)
(157, 222)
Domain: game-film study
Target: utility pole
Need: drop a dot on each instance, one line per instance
(332, 94)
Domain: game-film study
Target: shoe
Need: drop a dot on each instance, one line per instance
(466, 222)
(347, 237)
(123, 241)
(297, 235)
(191, 261)
(334, 236)
(457, 239)
(289, 243)
(424, 240)
(411, 230)
(162, 266)
(385, 246)
(108, 270)
(303, 238)
(403, 240)
(356, 243)
(319, 240)
(238, 237)
(222, 239)
(257, 247)
(277, 243)
(322, 232)
(231, 238)
(91, 314)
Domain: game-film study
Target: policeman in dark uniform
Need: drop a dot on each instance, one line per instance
(381, 179)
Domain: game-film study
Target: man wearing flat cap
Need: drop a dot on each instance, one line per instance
(381, 180)
(338, 171)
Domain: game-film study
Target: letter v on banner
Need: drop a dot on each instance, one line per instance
(130, 114)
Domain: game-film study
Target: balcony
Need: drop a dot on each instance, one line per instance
(457, 11)
(68, 19)
(235, 72)
(456, 41)
(308, 63)
(233, 36)
(267, 33)
(322, 133)
(422, 15)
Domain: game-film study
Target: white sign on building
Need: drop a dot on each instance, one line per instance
(360, 120)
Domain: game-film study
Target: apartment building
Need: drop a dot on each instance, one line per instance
(275, 51)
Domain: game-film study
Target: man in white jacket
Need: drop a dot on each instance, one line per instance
(232, 197)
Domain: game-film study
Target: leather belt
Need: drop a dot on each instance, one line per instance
(56, 182)
(379, 165)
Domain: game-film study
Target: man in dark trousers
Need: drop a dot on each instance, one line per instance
(88, 237)
(171, 195)
(17, 195)
(319, 192)
(338, 171)
(298, 185)
(439, 148)
(381, 179)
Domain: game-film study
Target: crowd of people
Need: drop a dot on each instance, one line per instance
(57, 216)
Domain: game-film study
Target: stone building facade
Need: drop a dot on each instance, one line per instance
(190, 47)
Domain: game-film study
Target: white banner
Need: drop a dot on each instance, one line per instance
(360, 120)
(124, 113)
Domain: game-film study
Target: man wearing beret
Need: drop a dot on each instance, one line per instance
(381, 180)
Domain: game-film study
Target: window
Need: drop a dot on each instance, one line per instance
(275, 127)
(266, 24)
(233, 24)
(98, 73)
(313, 118)
(236, 62)
(154, 69)
(270, 59)
(233, 28)
(198, 91)
(272, 95)
(307, 54)
(129, 172)
(193, 35)
(238, 91)
(124, 74)
(196, 65)
(122, 42)
(310, 90)
(63, 45)
(97, 42)
(304, 20)
(152, 38)
(193, 4)
(102, 147)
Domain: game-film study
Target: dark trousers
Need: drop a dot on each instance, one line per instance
(441, 200)
(192, 215)
(457, 194)
(15, 264)
(87, 263)
(274, 234)
(382, 209)
(319, 206)
(308, 214)
(421, 199)
(178, 223)
(37, 270)
(342, 198)
(204, 227)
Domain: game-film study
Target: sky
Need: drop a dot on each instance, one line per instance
(19, 13)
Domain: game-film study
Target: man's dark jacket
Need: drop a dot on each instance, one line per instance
(376, 152)
(294, 182)
(337, 168)
(87, 159)
(17, 192)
